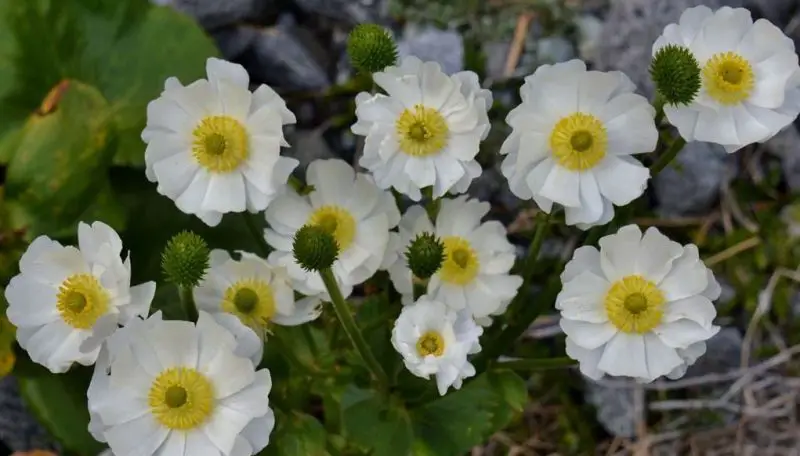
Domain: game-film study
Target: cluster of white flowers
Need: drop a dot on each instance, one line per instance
(639, 307)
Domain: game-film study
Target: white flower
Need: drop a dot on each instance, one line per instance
(639, 307)
(435, 340)
(426, 132)
(173, 388)
(358, 213)
(66, 301)
(749, 75)
(213, 146)
(572, 141)
(478, 258)
(248, 295)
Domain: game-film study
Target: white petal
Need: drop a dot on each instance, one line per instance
(618, 252)
(588, 335)
(221, 70)
(696, 308)
(134, 438)
(625, 355)
(621, 181)
(656, 254)
(688, 276)
(683, 333)
(582, 298)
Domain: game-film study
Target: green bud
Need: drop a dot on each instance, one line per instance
(676, 74)
(185, 259)
(314, 248)
(370, 48)
(425, 255)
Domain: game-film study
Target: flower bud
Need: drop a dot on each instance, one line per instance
(185, 259)
(370, 48)
(425, 255)
(676, 74)
(314, 248)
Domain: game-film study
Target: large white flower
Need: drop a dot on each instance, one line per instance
(427, 131)
(478, 258)
(247, 296)
(639, 307)
(749, 72)
(349, 204)
(173, 388)
(572, 141)
(213, 146)
(433, 339)
(66, 301)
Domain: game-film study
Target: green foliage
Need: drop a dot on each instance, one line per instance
(375, 423)
(185, 259)
(59, 403)
(296, 434)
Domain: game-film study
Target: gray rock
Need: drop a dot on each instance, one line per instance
(19, 430)
(496, 54)
(307, 146)
(553, 49)
(590, 28)
(785, 145)
(215, 13)
(288, 58)
(630, 29)
(234, 40)
(615, 408)
(776, 11)
(432, 44)
(723, 352)
(693, 185)
(349, 11)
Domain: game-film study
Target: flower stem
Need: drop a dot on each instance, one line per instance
(296, 183)
(658, 103)
(187, 301)
(667, 156)
(350, 327)
(522, 310)
(432, 205)
(257, 233)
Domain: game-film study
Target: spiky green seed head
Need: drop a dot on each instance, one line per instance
(370, 48)
(185, 259)
(425, 255)
(676, 74)
(314, 248)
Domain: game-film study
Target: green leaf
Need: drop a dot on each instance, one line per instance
(375, 423)
(125, 48)
(59, 165)
(462, 419)
(296, 434)
(59, 403)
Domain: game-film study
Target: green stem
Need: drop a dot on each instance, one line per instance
(187, 301)
(658, 103)
(432, 205)
(419, 290)
(536, 364)
(257, 233)
(522, 310)
(667, 156)
(350, 327)
(312, 345)
(296, 183)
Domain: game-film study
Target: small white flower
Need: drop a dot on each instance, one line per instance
(66, 301)
(248, 295)
(358, 213)
(478, 258)
(749, 74)
(175, 388)
(639, 307)
(214, 147)
(426, 132)
(435, 340)
(572, 141)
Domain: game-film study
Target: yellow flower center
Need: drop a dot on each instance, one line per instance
(181, 398)
(81, 301)
(460, 265)
(634, 304)
(338, 222)
(579, 141)
(422, 131)
(220, 144)
(430, 343)
(252, 301)
(728, 78)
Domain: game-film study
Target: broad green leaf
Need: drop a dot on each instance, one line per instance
(296, 434)
(60, 160)
(456, 422)
(125, 48)
(375, 423)
(59, 403)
